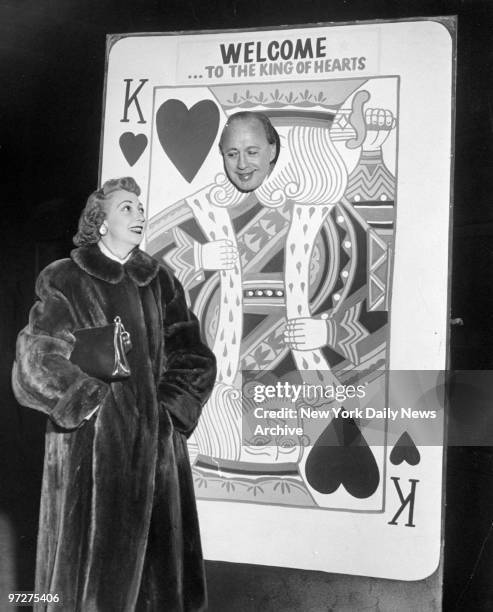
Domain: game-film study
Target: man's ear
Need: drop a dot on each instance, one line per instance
(272, 152)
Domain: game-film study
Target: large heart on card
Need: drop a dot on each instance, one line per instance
(341, 456)
(187, 134)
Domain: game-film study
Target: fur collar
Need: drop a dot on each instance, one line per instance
(141, 267)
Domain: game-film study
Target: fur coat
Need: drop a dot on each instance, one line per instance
(118, 524)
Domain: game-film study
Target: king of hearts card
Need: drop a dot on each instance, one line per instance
(323, 292)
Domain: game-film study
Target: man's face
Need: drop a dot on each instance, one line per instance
(247, 154)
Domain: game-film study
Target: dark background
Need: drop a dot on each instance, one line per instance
(51, 88)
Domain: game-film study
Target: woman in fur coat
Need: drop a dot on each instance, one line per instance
(118, 524)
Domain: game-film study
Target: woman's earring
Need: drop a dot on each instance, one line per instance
(103, 229)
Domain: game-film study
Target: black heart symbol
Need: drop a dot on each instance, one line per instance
(341, 456)
(132, 146)
(405, 450)
(186, 135)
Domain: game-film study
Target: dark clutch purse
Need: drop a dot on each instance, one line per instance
(101, 351)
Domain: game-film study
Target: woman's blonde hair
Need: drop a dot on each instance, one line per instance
(94, 213)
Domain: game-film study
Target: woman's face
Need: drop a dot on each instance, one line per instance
(124, 221)
(247, 154)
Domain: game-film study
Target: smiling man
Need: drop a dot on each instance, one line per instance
(249, 145)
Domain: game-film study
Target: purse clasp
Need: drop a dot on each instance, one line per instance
(122, 343)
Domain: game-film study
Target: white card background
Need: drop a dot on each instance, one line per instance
(417, 54)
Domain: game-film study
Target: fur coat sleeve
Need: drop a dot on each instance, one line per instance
(189, 366)
(44, 378)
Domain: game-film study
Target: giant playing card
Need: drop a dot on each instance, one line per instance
(323, 292)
